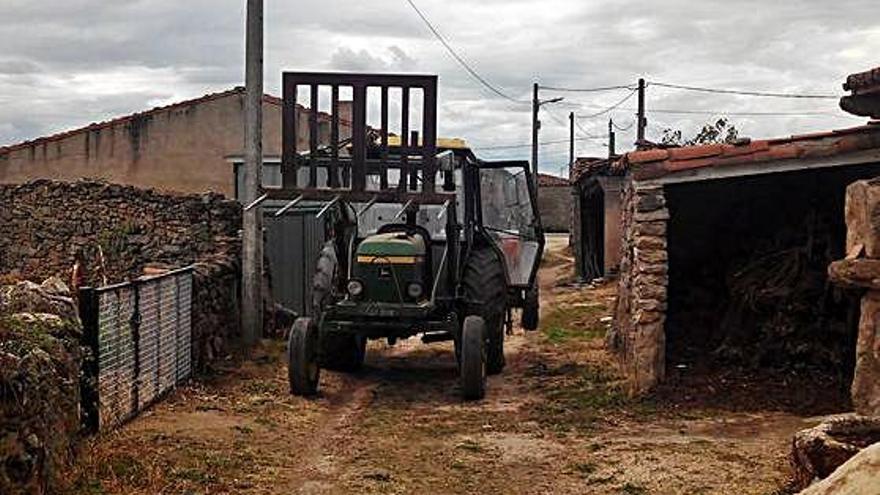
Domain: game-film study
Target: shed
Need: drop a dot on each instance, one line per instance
(725, 252)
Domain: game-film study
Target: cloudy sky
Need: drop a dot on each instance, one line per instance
(66, 63)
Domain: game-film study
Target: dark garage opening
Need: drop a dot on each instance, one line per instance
(593, 232)
(749, 296)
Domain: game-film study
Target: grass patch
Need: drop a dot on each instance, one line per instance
(585, 468)
(573, 323)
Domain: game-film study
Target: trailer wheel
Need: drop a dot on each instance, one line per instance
(530, 309)
(303, 371)
(484, 281)
(473, 358)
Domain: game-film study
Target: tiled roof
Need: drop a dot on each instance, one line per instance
(587, 166)
(864, 82)
(656, 163)
(547, 180)
(123, 120)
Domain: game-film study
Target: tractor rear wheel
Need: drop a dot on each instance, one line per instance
(303, 371)
(486, 287)
(530, 309)
(473, 358)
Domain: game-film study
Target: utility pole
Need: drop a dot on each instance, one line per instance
(611, 138)
(252, 238)
(641, 121)
(536, 124)
(571, 157)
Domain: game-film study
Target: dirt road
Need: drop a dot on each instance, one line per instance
(555, 421)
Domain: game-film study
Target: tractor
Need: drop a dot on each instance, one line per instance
(422, 237)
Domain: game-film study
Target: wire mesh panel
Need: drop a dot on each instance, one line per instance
(142, 337)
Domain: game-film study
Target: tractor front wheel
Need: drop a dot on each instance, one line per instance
(303, 371)
(473, 358)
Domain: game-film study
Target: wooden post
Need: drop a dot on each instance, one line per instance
(642, 122)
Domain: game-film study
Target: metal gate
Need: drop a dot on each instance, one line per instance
(140, 335)
(293, 242)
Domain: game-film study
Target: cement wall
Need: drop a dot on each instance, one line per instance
(184, 147)
(555, 204)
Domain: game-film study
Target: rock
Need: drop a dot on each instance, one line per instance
(858, 476)
(865, 389)
(818, 451)
(855, 273)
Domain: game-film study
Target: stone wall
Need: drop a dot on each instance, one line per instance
(638, 334)
(40, 360)
(121, 232)
(861, 271)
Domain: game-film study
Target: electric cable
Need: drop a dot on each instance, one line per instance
(742, 92)
(460, 60)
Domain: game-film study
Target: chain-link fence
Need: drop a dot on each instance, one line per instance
(140, 336)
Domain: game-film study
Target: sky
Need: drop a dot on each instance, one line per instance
(67, 63)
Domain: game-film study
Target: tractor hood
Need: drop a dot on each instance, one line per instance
(397, 247)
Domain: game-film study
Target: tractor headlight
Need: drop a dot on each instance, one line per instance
(415, 290)
(355, 288)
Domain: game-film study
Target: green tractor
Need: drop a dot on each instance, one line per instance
(446, 253)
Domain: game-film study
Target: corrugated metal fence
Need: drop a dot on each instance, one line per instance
(140, 336)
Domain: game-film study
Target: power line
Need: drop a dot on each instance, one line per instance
(587, 90)
(742, 93)
(746, 114)
(460, 60)
(529, 145)
(623, 129)
(612, 107)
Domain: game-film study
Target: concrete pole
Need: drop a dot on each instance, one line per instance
(536, 125)
(570, 143)
(642, 122)
(252, 241)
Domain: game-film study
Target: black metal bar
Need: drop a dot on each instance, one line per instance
(289, 166)
(413, 171)
(383, 168)
(387, 196)
(404, 139)
(333, 167)
(429, 138)
(358, 139)
(89, 399)
(314, 134)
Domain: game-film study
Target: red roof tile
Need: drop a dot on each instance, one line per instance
(547, 180)
(656, 163)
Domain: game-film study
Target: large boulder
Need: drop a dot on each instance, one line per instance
(817, 452)
(857, 476)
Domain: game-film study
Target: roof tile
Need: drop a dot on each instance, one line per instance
(691, 152)
(648, 156)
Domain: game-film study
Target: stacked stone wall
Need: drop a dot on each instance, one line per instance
(638, 335)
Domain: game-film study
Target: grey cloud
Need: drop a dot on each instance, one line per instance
(196, 46)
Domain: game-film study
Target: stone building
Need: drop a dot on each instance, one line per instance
(189, 147)
(554, 202)
(595, 217)
(726, 249)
